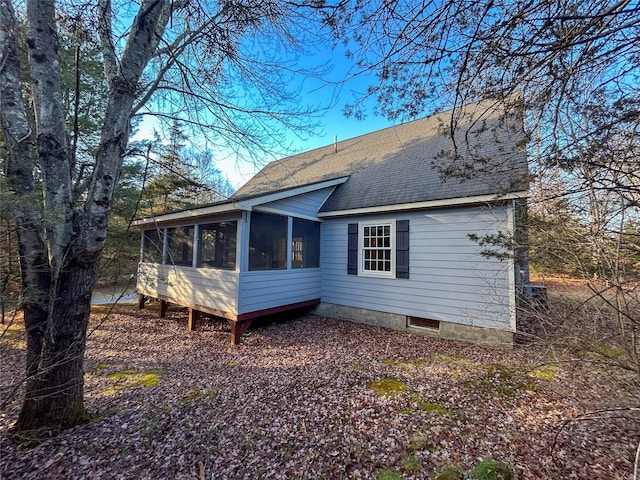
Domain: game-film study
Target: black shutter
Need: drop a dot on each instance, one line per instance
(352, 254)
(402, 249)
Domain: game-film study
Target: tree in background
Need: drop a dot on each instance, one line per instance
(574, 69)
(84, 96)
(155, 179)
(121, 253)
(9, 268)
(215, 186)
(181, 177)
(206, 63)
(169, 186)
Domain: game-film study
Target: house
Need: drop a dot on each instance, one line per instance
(367, 229)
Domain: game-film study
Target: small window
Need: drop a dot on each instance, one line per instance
(152, 246)
(376, 248)
(180, 246)
(268, 241)
(218, 245)
(305, 244)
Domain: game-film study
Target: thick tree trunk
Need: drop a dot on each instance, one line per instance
(54, 395)
(36, 280)
(60, 245)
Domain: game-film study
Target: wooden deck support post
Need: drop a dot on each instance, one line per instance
(163, 308)
(142, 299)
(194, 316)
(238, 327)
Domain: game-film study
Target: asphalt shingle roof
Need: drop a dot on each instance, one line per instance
(406, 163)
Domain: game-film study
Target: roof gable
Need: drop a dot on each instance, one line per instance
(405, 163)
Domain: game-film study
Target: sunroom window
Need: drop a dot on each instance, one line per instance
(180, 245)
(267, 241)
(305, 244)
(218, 245)
(152, 246)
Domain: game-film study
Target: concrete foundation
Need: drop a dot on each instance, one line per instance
(448, 330)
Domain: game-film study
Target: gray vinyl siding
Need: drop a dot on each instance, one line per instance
(221, 289)
(261, 290)
(274, 288)
(207, 287)
(305, 205)
(449, 279)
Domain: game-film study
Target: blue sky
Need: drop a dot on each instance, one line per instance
(330, 95)
(331, 121)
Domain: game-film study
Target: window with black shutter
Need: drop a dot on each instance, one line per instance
(352, 249)
(378, 248)
(402, 249)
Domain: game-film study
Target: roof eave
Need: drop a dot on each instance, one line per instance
(238, 205)
(189, 213)
(267, 197)
(448, 202)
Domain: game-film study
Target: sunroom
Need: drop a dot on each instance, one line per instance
(236, 259)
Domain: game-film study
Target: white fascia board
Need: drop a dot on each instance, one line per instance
(277, 211)
(292, 192)
(190, 213)
(235, 206)
(449, 202)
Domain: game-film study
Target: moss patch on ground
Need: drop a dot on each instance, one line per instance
(430, 407)
(132, 378)
(411, 464)
(194, 395)
(387, 386)
(13, 336)
(544, 372)
(504, 380)
(421, 442)
(448, 473)
(490, 470)
(387, 474)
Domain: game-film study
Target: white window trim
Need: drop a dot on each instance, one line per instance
(371, 223)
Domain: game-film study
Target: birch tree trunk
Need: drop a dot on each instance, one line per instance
(61, 244)
(27, 212)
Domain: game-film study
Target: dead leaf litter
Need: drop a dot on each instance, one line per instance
(319, 398)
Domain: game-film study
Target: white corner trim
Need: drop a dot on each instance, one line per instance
(511, 268)
(450, 202)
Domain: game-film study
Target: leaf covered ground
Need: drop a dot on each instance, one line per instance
(319, 398)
